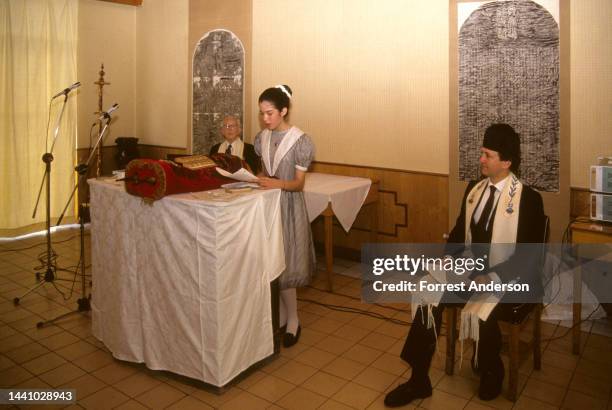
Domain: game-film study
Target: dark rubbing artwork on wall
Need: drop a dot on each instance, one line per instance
(509, 72)
(218, 78)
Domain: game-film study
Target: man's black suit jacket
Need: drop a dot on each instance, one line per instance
(249, 154)
(531, 229)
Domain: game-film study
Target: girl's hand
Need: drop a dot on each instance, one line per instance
(270, 183)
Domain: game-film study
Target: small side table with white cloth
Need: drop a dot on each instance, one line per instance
(341, 196)
(183, 284)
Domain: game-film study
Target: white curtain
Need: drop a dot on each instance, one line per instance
(38, 46)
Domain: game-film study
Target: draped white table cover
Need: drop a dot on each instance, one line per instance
(346, 195)
(183, 284)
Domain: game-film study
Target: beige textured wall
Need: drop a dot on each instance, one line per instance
(144, 51)
(106, 34)
(370, 78)
(591, 89)
(162, 61)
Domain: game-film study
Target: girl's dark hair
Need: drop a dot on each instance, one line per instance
(278, 97)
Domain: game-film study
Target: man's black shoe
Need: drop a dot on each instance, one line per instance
(491, 382)
(406, 392)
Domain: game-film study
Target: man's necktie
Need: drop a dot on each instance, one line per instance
(228, 150)
(486, 212)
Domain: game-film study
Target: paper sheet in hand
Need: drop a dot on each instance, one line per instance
(240, 175)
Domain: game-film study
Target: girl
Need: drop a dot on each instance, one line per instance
(286, 153)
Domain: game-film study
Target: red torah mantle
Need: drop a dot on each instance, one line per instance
(153, 179)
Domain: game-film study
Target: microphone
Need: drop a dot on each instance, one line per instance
(67, 90)
(106, 114)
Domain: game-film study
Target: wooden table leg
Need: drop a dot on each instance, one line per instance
(329, 250)
(577, 310)
(374, 223)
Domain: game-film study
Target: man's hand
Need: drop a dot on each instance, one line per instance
(482, 279)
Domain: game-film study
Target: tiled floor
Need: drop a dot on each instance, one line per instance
(343, 360)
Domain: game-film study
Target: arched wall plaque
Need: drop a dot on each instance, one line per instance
(509, 72)
(218, 81)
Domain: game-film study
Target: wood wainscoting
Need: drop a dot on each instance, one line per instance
(128, 2)
(580, 202)
(413, 207)
(109, 155)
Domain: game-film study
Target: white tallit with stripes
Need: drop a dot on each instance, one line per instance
(505, 227)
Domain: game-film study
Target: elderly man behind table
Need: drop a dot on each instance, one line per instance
(233, 145)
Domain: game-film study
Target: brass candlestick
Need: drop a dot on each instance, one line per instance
(100, 83)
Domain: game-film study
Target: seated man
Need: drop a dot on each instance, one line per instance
(233, 145)
(498, 209)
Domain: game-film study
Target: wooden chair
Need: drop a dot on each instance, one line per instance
(512, 324)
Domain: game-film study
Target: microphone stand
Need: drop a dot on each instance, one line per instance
(82, 169)
(83, 303)
(47, 158)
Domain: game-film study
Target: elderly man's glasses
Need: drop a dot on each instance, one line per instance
(229, 126)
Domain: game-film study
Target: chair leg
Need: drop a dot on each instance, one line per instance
(514, 361)
(537, 337)
(451, 324)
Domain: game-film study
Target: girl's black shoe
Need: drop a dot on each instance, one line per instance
(289, 339)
